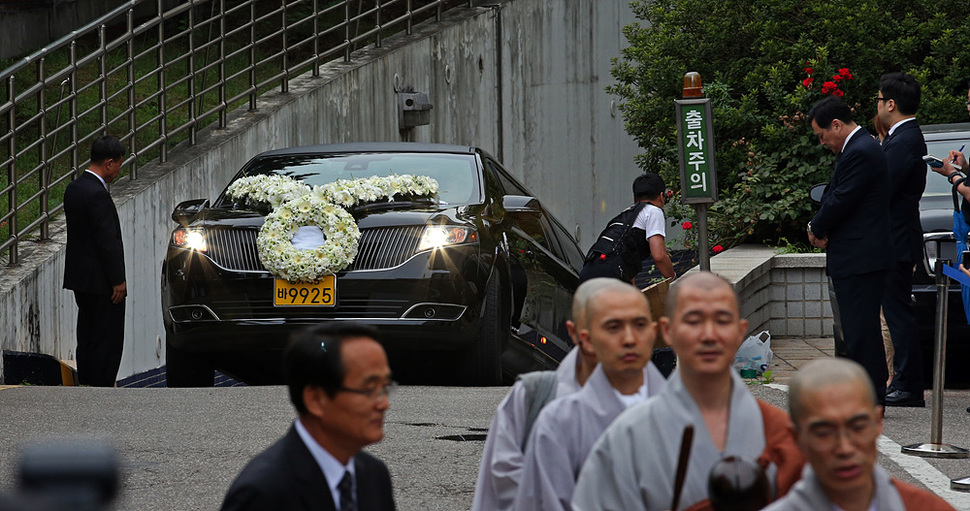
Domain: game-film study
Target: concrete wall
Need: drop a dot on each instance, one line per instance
(523, 79)
(786, 294)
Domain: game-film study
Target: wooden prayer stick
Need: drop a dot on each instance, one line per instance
(685, 445)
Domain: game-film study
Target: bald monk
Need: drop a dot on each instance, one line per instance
(620, 330)
(837, 421)
(634, 463)
(504, 452)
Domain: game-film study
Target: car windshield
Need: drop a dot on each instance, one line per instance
(456, 174)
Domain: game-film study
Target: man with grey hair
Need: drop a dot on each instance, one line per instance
(633, 465)
(620, 331)
(504, 453)
(836, 422)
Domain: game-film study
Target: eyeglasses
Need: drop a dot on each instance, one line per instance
(878, 98)
(373, 392)
(826, 437)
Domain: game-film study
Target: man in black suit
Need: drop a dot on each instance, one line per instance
(896, 103)
(94, 265)
(339, 382)
(852, 224)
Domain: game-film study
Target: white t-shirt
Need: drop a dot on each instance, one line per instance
(651, 220)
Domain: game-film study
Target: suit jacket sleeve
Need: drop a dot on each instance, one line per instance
(850, 184)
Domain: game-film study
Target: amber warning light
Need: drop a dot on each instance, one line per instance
(693, 88)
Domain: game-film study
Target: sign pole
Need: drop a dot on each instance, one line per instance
(703, 252)
(698, 174)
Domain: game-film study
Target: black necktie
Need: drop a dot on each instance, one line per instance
(346, 488)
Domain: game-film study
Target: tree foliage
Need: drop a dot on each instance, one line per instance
(764, 64)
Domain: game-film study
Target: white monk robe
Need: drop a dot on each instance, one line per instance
(634, 463)
(565, 432)
(502, 458)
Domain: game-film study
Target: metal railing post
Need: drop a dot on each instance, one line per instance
(315, 72)
(347, 44)
(132, 120)
(252, 56)
(285, 79)
(43, 152)
(103, 77)
(194, 121)
(222, 65)
(12, 174)
(410, 22)
(380, 30)
(75, 159)
(162, 110)
(936, 448)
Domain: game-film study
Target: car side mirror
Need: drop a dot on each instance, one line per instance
(186, 211)
(521, 205)
(816, 192)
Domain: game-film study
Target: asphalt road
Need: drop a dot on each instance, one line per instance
(181, 448)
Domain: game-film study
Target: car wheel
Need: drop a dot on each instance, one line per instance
(186, 369)
(483, 361)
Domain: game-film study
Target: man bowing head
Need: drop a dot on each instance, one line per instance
(634, 463)
(339, 381)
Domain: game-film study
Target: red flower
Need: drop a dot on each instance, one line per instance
(687, 225)
(845, 73)
(836, 78)
(838, 93)
(717, 249)
(808, 70)
(808, 82)
(828, 87)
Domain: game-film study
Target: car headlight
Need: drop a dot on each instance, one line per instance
(192, 239)
(437, 236)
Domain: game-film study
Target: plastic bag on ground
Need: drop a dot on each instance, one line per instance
(754, 353)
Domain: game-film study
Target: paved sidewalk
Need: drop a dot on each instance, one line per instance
(791, 354)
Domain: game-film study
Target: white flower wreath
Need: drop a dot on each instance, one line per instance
(296, 205)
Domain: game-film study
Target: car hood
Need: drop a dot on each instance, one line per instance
(419, 215)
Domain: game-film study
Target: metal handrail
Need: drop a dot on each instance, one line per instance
(204, 58)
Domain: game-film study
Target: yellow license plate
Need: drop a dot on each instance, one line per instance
(319, 293)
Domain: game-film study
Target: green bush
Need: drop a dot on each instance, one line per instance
(755, 58)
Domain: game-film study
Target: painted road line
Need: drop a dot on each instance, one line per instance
(936, 481)
(921, 470)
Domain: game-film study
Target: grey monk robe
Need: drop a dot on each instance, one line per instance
(633, 464)
(563, 435)
(891, 495)
(502, 457)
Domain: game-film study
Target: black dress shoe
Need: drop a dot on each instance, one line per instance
(905, 399)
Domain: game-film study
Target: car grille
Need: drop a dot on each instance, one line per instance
(258, 308)
(379, 248)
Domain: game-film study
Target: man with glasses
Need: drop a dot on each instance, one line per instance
(833, 406)
(339, 381)
(896, 104)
